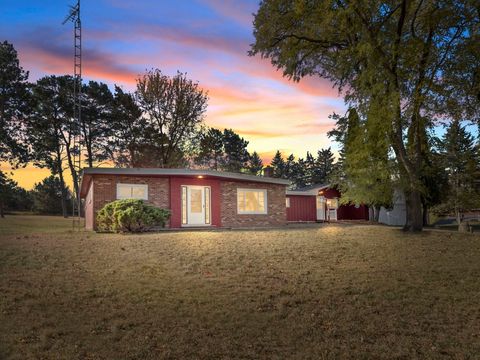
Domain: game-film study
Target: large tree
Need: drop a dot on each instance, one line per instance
(255, 164)
(402, 54)
(48, 130)
(460, 158)
(96, 122)
(14, 105)
(174, 108)
(236, 154)
(47, 196)
(210, 149)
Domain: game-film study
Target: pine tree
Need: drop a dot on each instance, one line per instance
(211, 149)
(236, 153)
(255, 164)
(278, 165)
(323, 166)
(289, 165)
(460, 159)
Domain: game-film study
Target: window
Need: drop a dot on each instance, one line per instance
(287, 202)
(132, 191)
(251, 201)
(184, 205)
(332, 203)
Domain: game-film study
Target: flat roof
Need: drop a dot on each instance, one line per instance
(88, 172)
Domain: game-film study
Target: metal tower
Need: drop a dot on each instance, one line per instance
(74, 16)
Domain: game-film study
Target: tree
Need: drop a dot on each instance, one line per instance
(47, 196)
(278, 165)
(174, 108)
(7, 189)
(364, 173)
(299, 174)
(46, 130)
(96, 121)
(14, 105)
(236, 154)
(211, 149)
(460, 159)
(407, 56)
(289, 165)
(255, 164)
(323, 168)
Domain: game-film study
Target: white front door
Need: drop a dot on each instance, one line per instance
(197, 209)
(320, 208)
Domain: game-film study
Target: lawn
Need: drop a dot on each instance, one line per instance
(332, 291)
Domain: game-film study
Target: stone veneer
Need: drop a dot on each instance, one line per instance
(276, 209)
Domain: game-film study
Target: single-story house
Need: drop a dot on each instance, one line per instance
(196, 198)
(320, 203)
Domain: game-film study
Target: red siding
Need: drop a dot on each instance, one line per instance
(302, 208)
(176, 198)
(350, 212)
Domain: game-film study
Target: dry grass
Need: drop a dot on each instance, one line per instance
(356, 292)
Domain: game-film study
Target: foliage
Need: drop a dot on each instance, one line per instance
(211, 149)
(130, 216)
(364, 172)
(255, 164)
(407, 61)
(461, 160)
(14, 105)
(303, 172)
(173, 108)
(47, 196)
(10, 193)
(236, 154)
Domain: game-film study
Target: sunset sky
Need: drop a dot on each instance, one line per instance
(208, 39)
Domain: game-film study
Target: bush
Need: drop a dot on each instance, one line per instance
(130, 216)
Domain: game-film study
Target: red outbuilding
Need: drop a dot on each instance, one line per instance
(321, 203)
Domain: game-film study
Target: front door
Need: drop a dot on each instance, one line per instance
(320, 208)
(197, 209)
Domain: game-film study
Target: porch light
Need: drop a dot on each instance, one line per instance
(200, 176)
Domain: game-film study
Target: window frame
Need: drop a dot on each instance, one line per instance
(132, 186)
(287, 202)
(265, 202)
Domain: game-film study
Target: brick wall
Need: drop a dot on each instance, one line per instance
(276, 212)
(106, 190)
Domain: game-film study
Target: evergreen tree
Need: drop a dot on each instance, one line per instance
(211, 149)
(324, 165)
(299, 174)
(289, 166)
(236, 153)
(47, 196)
(14, 105)
(255, 164)
(278, 165)
(7, 189)
(310, 169)
(460, 159)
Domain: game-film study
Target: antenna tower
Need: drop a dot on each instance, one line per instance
(74, 16)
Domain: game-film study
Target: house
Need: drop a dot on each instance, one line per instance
(320, 203)
(196, 198)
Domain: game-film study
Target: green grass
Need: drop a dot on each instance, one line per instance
(350, 292)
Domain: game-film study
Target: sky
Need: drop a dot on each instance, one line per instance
(207, 39)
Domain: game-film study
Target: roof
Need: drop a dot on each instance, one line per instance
(87, 173)
(308, 190)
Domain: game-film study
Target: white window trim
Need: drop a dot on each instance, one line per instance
(287, 202)
(253, 212)
(138, 186)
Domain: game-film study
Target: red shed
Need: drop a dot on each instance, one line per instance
(321, 203)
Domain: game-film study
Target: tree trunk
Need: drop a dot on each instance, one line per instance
(371, 213)
(64, 194)
(425, 215)
(2, 211)
(414, 220)
(462, 226)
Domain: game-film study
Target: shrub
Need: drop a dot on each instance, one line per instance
(130, 216)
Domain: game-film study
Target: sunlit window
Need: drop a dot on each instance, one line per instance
(287, 202)
(251, 201)
(132, 191)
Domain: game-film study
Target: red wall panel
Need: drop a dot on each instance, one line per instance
(302, 208)
(176, 198)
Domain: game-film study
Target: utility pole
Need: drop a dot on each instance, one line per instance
(74, 16)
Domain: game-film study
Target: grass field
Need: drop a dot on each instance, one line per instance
(349, 292)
